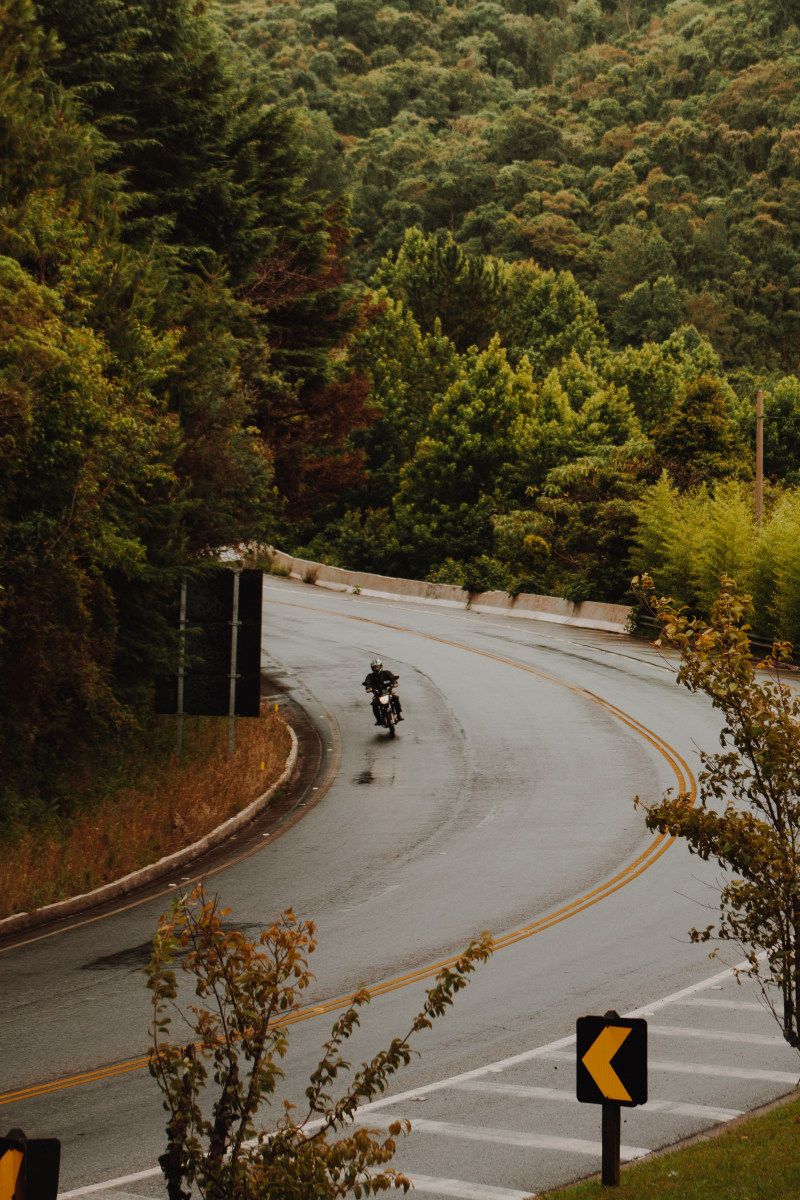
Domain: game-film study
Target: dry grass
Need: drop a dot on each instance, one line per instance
(164, 807)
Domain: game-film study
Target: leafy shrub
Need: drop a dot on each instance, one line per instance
(239, 1039)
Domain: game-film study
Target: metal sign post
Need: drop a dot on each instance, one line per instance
(759, 495)
(181, 675)
(601, 1042)
(610, 1129)
(233, 675)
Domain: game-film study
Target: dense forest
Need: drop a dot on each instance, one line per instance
(478, 293)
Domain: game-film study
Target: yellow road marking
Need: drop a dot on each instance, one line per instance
(659, 845)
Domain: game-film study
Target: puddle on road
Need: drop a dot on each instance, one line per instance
(137, 957)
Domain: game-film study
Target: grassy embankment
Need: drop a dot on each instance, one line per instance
(139, 805)
(757, 1159)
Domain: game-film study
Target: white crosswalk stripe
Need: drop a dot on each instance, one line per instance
(524, 1092)
(718, 1035)
(463, 1190)
(742, 1005)
(711, 1070)
(511, 1137)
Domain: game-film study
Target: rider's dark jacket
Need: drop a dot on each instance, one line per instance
(380, 679)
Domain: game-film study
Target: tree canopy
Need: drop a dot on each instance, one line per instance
(171, 297)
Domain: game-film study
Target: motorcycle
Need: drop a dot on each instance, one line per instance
(386, 708)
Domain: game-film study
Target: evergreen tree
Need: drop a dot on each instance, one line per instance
(439, 282)
(548, 317)
(467, 463)
(210, 168)
(408, 372)
(697, 442)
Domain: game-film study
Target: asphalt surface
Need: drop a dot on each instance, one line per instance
(505, 803)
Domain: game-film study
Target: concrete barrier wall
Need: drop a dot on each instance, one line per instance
(588, 614)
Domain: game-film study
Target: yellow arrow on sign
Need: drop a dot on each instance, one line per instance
(597, 1061)
(10, 1165)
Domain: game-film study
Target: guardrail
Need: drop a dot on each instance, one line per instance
(587, 614)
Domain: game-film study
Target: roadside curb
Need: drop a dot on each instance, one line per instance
(587, 614)
(20, 922)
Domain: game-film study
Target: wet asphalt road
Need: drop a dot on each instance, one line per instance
(506, 796)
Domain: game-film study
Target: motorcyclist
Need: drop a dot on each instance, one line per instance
(380, 679)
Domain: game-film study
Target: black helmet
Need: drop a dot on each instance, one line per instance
(376, 664)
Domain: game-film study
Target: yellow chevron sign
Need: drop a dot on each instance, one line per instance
(10, 1168)
(29, 1167)
(612, 1060)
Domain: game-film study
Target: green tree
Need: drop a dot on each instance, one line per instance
(748, 820)
(697, 442)
(587, 512)
(239, 1034)
(649, 313)
(439, 282)
(208, 166)
(776, 587)
(667, 528)
(548, 317)
(689, 540)
(547, 440)
(637, 255)
(408, 372)
(651, 378)
(91, 507)
(88, 476)
(468, 462)
(215, 175)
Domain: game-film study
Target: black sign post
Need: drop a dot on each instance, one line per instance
(219, 656)
(602, 1041)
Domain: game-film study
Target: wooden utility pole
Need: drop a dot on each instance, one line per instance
(759, 457)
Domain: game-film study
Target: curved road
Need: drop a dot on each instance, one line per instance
(504, 803)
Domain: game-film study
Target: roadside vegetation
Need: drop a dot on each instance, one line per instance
(756, 1160)
(748, 818)
(138, 804)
